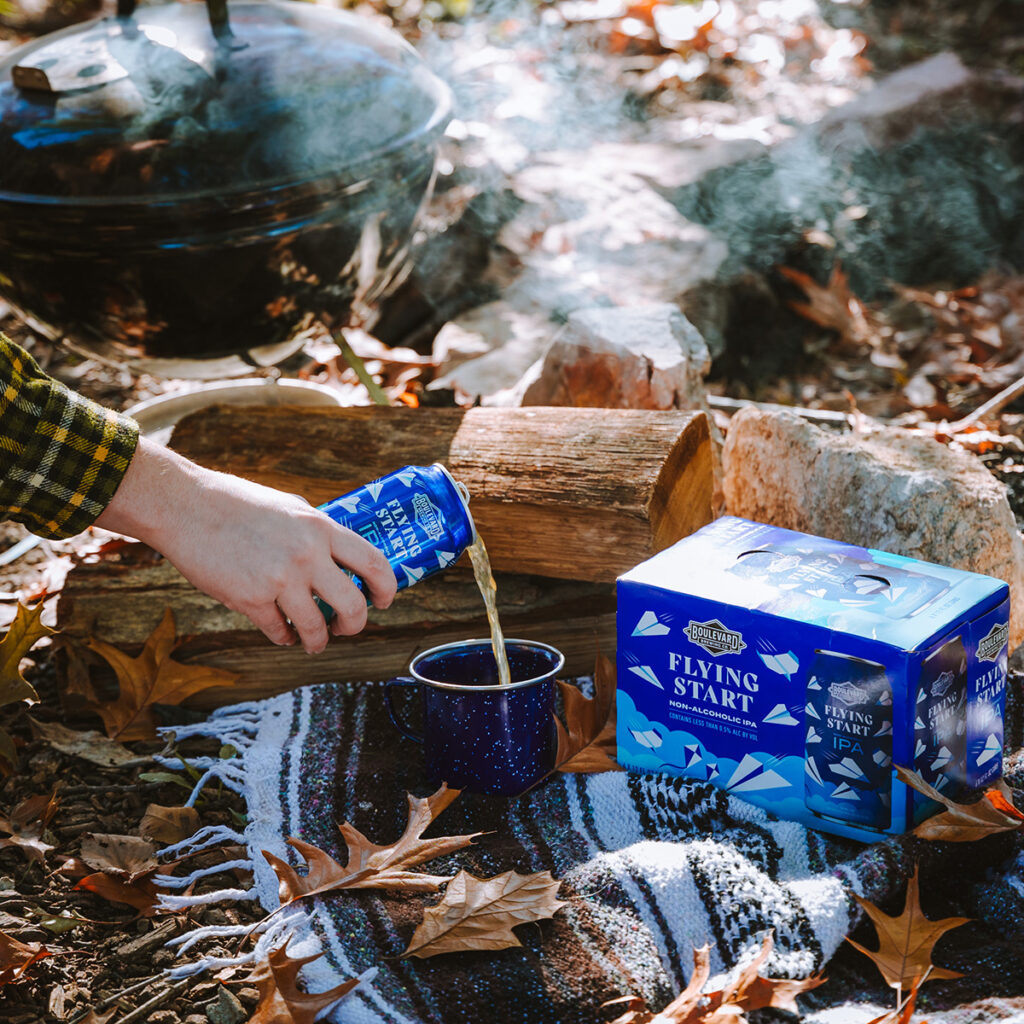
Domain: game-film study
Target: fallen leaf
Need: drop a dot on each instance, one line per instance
(480, 913)
(91, 746)
(905, 942)
(25, 826)
(992, 813)
(832, 306)
(151, 678)
(370, 866)
(128, 857)
(24, 632)
(17, 957)
(140, 893)
(747, 990)
(281, 1000)
(168, 825)
(589, 744)
(122, 870)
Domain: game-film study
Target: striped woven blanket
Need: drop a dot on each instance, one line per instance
(651, 867)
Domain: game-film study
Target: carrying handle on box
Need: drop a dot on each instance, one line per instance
(396, 719)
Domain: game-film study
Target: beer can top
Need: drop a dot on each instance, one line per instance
(463, 494)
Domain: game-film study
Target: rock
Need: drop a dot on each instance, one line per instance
(489, 348)
(163, 1017)
(928, 94)
(633, 357)
(248, 996)
(889, 490)
(227, 1009)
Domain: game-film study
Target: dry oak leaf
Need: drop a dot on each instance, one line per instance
(748, 990)
(122, 868)
(26, 824)
(24, 632)
(589, 744)
(905, 943)
(17, 957)
(832, 306)
(480, 913)
(168, 825)
(370, 866)
(151, 678)
(281, 1001)
(91, 745)
(993, 812)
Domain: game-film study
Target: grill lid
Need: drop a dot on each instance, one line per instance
(173, 102)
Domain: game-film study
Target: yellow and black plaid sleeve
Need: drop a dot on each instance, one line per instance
(61, 456)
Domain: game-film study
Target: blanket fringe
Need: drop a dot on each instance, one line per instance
(238, 727)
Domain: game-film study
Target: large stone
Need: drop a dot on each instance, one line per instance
(632, 357)
(889, 490)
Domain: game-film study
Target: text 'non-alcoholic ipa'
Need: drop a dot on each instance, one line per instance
(418, 516)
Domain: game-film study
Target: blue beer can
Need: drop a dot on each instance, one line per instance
(940, 719)
(418, 516)
(848, 740)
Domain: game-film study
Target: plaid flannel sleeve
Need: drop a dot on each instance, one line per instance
(62, 456)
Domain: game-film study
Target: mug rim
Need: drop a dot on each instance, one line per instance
(494, 686)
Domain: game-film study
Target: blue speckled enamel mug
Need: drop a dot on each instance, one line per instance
(477, 735)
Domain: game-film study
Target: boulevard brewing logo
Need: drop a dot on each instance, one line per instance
(714, 638)
(942, 684)
(428, 516)
(991, 644)
(848, 693)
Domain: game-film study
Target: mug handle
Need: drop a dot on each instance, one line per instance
(396, 719)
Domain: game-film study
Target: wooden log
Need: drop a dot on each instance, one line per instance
(577, 494)
(120, 598)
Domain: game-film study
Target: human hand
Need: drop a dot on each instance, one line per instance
(259, 551)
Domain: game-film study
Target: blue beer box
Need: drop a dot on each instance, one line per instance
(794, 672)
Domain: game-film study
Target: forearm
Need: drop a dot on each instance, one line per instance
(61, 456)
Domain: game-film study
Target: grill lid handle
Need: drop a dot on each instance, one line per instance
(216, 9)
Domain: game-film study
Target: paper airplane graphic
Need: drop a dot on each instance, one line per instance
(375, 487)
(849, 768)
(921, 694)
(813, 684)
(649, 738)
(712, 769)
(751, 774)
(692, 754)
(646, 673)
(445, 558)
(919, 749)
(843, 792)
(413, 575)
(809, 709)
(820, 592)
(882, 759)
(650, 626)
(349, 504)
(812, 735)
(784, 664)
(811, 768)
(918, 724)
(885, 700)
(779, 715)
(407, 478)
(885, 729)
(991, 749)
(944, 756)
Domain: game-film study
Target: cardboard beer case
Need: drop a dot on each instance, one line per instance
(794, 672)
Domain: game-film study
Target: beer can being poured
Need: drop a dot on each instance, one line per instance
(418, 516)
